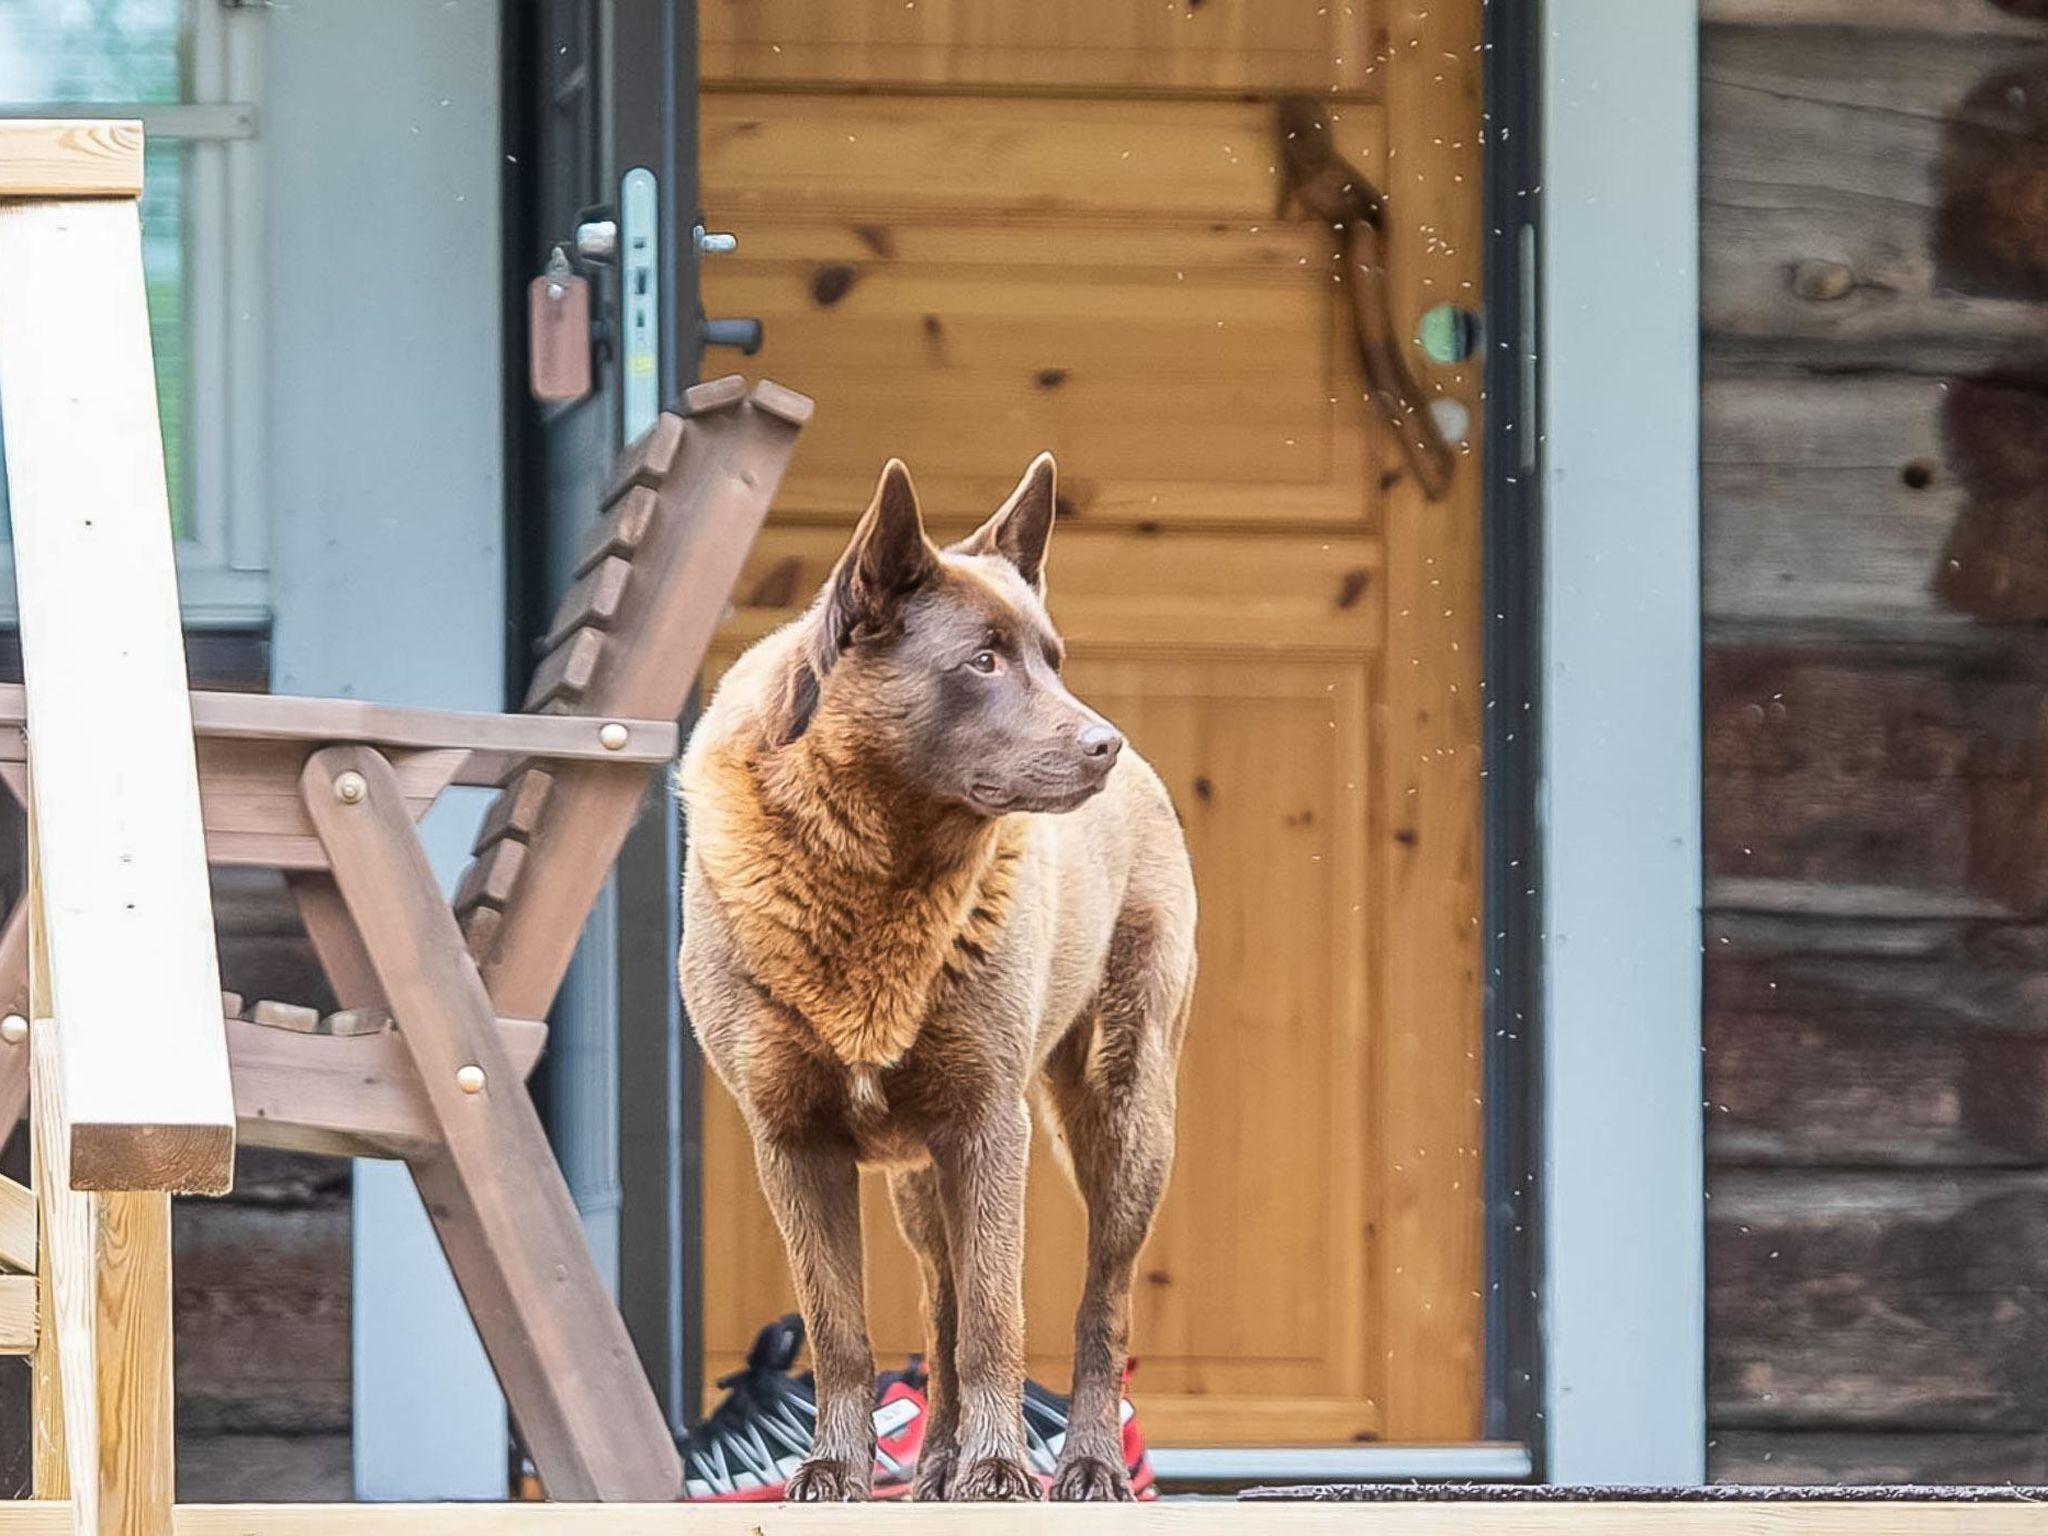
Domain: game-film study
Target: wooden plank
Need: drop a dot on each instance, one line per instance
(50, 1442)
(1068, 46)
(1129, 365)
(292, 1016)
(239, 1468)
(335, 941)
(1834, 766)
(731, 460)
(647, 460)
(620, 530)
(1015, 162)
(1123, 591)
(345, 1096)
(281, 717)
(1844, 1516)
(335, 1094)
(1827, 504)
(491, 878)
(133, 973)
(1871, 1061)
(17, 1314)
(13, 1000)
(1870, 1300)
(583, 1406)
(17, 1225)
(1849, 712)
(566, 673)
(516, 812)
(1808, 1457)
(263, 1318)
(350, 1022)
(249, 803)
(109, 1272)
(1429, 1028)
(70, 157)
(592, 601)
(1950, 18)
(1825, 166)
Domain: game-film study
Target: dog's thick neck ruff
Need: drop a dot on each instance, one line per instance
(851, 900)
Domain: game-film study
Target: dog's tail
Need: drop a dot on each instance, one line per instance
(865, 1089)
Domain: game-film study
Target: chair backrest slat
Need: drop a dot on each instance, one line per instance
(656, 573)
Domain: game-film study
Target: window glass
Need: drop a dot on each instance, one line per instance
(125, 52)
(92, 50)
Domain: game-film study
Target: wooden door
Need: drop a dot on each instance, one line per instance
(976, 232)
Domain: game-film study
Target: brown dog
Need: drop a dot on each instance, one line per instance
(922, 877)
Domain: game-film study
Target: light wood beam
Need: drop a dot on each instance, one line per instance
(115, 791)
(51, 157)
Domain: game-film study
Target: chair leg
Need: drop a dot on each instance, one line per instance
(497, 1198)
(13, 999)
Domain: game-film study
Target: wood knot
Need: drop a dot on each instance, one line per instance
(1823, 282)
(831, 284)
(779, 585)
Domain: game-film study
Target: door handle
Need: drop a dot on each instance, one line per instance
(1320, 182)
(743, 334)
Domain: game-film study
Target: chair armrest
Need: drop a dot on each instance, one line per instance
(494, 741)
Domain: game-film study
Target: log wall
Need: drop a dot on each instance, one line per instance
(1875, 466)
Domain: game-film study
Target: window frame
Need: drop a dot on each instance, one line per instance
(224, 556)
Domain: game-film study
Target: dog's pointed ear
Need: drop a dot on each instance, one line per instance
(1023, 524)
(888, 559)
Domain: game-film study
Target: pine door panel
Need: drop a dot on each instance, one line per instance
(1251, 586)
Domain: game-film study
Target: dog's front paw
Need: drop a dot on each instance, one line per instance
(1090, 1480)
(825, 1481)
(995, 1479)
(934, 1479)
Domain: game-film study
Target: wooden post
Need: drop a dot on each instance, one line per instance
(133, 980)
(103, 1408)
(128, 1059)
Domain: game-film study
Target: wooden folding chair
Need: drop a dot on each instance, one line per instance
(441, 1006)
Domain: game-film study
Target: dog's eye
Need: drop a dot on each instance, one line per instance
(985, 662)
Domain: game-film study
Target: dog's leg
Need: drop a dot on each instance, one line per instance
(915, 1194)
(981, 1176)
(1112, 1086)
(815, 1194)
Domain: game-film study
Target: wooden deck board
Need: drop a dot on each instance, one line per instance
(1892, 1518)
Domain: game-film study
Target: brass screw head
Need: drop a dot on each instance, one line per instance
(470, 1079)
(612, 736)
(13, 1029)
(349, 787)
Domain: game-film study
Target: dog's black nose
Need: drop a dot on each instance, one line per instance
(1100, 740)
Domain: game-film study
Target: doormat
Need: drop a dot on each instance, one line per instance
(1545, 1493)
